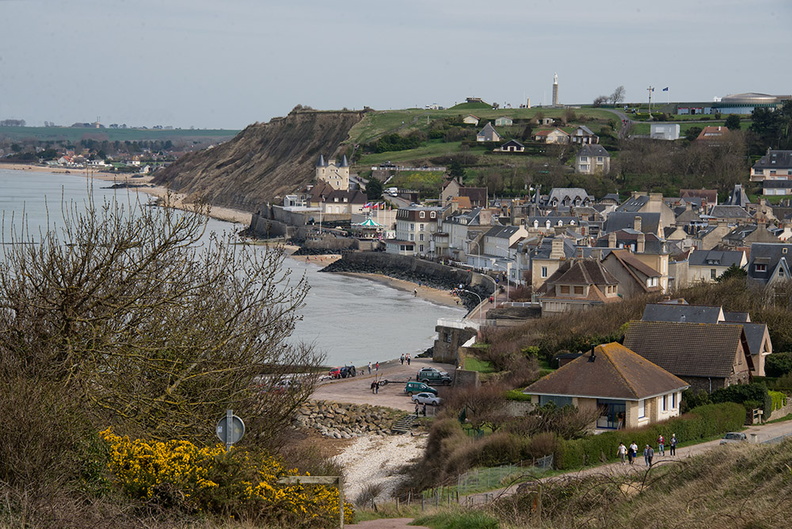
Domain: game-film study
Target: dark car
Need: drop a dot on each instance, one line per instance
(343, 372)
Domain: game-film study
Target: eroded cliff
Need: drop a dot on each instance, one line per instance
(263, 161)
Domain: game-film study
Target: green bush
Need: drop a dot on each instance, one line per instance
(778, 399)
(702, 422)
(778, 364)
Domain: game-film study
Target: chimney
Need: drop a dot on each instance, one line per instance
(655, 197)
(636, 194)
(612, 240)
(637, 223)
(641, 246)
(557, 249)
(579, 252)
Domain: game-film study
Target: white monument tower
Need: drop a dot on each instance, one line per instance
(555, 90)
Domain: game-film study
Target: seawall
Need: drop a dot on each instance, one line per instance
(409, 268)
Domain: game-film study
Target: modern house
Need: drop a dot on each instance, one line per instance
(705, 266)
(504, 121)
(770, 263)
(583, 136)
(511, 146)
(627, 389)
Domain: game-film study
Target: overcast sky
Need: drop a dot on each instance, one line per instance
(229, 63)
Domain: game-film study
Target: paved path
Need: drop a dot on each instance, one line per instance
(766, 433)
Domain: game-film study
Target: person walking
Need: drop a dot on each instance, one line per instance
(374, 387)
(417, 409)
(622, 452)
(369, 367)
(672, 444)
(423, 410)
(401, 359)
(648, 455)
(661, 444)
(408, 358)
(376, 366)
(632, 453)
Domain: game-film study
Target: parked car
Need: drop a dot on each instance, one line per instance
(343, 372)
(734, 437)
(426, 398)
(435, 377)
(430, 370)
(418, 387)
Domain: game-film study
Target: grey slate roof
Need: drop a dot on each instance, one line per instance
(569, 193)
(620, 220)
(715, 258)
(614, 373)
(770, 255)
(775, 160)
(738, 197)
(728, 212)
(502, 232)
(594, 149)
(754, 334)
(681, 313)
(633, 204)
(544, 248)
(687, 349)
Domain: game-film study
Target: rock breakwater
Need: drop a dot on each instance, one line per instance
(345, 421)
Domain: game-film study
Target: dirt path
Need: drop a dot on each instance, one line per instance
(387, 523)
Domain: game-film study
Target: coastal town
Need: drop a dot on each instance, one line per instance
(596, 319)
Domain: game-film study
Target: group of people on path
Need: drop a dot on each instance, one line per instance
(376, 367)
(405, 358)
(631, 453)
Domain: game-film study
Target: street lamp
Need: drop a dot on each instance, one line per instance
(481, 301)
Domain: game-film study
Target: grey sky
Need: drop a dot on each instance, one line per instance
(225, 64)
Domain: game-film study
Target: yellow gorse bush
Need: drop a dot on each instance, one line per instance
(210, 479)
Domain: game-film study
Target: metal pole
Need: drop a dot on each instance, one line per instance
(228, 425)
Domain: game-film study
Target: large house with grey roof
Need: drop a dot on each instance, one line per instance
(488, 133)
(774, 170)
(592, 159)
(708, 356)
(756, 334)
(629, 390)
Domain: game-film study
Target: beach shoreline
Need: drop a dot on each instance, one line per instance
(140, 183)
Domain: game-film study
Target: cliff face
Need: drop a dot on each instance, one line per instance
(263, 161)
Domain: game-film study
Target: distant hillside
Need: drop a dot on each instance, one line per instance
(263, 161)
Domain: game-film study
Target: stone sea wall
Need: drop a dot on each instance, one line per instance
(429, 273)
(345, 421)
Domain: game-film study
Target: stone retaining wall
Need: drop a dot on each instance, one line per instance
(345, 421)
(431, 274)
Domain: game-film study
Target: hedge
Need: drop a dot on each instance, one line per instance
(702, 422)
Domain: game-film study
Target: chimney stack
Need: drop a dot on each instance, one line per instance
(637, 223)
(557, 249)
(612, 240)
(641, 246)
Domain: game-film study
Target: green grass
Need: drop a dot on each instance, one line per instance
(474, 364)
(459, 519)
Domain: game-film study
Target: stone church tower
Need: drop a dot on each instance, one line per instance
(335, 175)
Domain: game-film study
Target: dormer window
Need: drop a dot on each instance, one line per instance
(422, 214)
(760, 268)
(432, 214)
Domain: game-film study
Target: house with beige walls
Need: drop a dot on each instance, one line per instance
(627, 389)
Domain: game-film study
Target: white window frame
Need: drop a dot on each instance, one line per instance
(641, 409)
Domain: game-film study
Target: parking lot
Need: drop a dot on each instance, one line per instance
(357, 390)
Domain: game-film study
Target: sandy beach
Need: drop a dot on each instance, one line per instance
(141, 183)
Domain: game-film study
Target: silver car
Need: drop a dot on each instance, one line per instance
(426, 398)
(734, 437)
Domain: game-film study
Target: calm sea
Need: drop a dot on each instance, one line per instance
(351, 320)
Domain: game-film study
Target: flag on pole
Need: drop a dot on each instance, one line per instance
(665, 89)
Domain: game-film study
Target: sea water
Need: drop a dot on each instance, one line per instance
(351, 320)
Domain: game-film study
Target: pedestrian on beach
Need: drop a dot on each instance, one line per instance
(376, 366)
(622, 452)
(401, 359)
(415, 292)
(673, 444)
(632, 453)
(408, 358)
(369, 366)
(417, 409)
(374, 387)
(648, 455)
(424, 410)
(661, 444)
